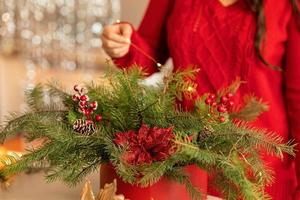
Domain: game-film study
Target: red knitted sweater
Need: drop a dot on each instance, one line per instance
(220, 41)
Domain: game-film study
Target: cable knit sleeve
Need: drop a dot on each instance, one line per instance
(293, 87)
(150, 38)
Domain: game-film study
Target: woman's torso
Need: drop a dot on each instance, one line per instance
(220, 41)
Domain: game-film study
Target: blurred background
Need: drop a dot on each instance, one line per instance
(41, 40)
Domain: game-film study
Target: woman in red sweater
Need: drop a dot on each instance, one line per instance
(257, 40)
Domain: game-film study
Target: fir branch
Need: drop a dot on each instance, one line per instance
(235, 174)
(262, 173)
(25, 162)
(20, 123)
(34, 98)
(253, 108)
(55, 89)
(192, 153)
(154, 172)
(232, 88)
(74, 173)
(59, 95)
(269, 141)
(228, 190)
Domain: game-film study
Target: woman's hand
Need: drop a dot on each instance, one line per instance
(116, 39)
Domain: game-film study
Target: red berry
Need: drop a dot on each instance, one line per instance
(221, 109)
(93, 104)
(89, 122)
(222, 119)
(208, 101)
(212, 96)
(87, 112)
(224, 99)
(230, 103)
(84, 98)
(229, 95)
(81, 110)
(214, 104)
(75, 97)
(82, 104)
(98, 118)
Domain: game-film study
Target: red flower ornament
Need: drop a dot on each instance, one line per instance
(147, 145)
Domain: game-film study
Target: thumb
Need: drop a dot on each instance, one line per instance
(126, 31)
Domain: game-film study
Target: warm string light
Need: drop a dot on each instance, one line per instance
(189, 89)
(146, 54)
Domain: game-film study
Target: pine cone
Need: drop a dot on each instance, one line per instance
(204, 133)
(84, 127)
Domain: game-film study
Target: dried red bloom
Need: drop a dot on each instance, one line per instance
(147, 145)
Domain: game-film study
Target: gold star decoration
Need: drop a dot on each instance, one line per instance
(106, 193)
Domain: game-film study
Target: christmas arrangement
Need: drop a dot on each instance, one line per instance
(145, 135)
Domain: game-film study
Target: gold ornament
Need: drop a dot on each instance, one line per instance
(6, 158)
(87, 192)
(107, 193)
(3, 152)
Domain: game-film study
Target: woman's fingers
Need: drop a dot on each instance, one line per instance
(111, 44)
(118, 52)
(113, 32)
(116, 39)
(126, 31)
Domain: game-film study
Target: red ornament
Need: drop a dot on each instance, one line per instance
(221, 109)
(98, 118)
(222, 119)
(224, 99)
(84, 98)
(147, 145)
